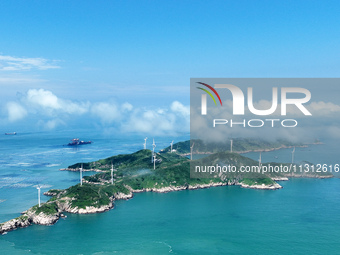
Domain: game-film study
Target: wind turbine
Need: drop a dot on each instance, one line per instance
(153, 149)
(191, 147)
(38, 188)
(111, 173)
(145, 142)
(81, 174)
(260, 163)
(293, 155)
(231, 145)
(154, 161)
(153, 146)
(171, 145)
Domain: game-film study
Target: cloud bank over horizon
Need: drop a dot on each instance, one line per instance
(323, 124)
(42, 108)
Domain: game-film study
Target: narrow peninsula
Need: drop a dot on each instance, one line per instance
(119, 177)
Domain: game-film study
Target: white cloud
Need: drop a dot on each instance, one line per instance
(9, 63)
(171, 121)
(107, 113)
(15, 111)
(43, 98)
(127, 107)
(154, 122)
(323, 122)
(322, 108)
(51, 124)
(50, 111)
(177, 107)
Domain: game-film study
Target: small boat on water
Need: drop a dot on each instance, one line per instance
(13, 133)
(76, 141)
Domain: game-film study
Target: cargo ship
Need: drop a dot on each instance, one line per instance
(76, 141)
(13, 133)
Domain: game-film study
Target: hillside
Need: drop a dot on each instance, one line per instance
(135, 173)
(239, 145)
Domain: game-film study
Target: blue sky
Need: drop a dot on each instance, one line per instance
(104, 55)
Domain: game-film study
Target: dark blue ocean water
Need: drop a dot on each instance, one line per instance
(301, 218)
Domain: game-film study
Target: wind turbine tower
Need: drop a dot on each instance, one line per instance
(154, 161)
(260, 163)
(153, 146)
(293, 155)
(171, 145)
(153, 149)
(191, 148)
(38, 188)
(81, 174)
(145, 143)
(111, 173)
(231, 145)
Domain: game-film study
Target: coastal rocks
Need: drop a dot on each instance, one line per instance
(121, 195)
(311, 175)
(84, 170)
(20, 222)
(280, 179)
(43, 219)
(66, 206)
(178, 188)
(204, 186)
(136, 190)
(90, 209)
(168, 189)
(158, 190)
(262, 186)
(325, 176)
(27, 219)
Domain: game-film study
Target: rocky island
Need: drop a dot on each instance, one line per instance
(120, 176)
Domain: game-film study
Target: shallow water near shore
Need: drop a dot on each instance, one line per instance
(301, 218)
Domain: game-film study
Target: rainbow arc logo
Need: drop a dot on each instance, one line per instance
(209, 93)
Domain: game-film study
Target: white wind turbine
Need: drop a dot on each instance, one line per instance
(81, 174)
(153, 146)
(111, 173)
(153, 149)
(191, 148)
(293, 155)
(231, 145)
(260, 163)
(145, 142)
(38, 188)
(154, 161)
(171, 145)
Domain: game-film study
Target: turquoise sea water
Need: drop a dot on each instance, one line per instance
(301, 218)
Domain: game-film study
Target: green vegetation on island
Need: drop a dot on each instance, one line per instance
(47, 208)
(135, 173)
